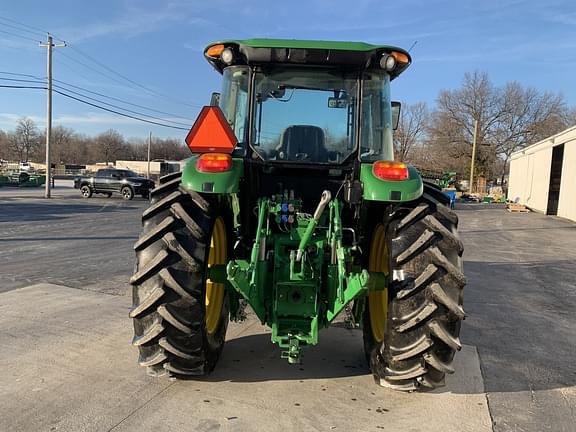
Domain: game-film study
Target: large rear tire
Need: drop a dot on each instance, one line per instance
(411, 329)
(180, 318)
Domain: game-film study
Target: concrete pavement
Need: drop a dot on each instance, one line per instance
(521, 306)
(68, 366)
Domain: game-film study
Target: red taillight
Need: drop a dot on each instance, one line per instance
(388, 170)
(214, 162)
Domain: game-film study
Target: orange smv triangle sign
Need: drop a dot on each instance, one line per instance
(211, 133)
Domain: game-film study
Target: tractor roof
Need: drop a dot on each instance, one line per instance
(351, 55)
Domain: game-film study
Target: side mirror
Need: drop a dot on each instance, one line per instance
(395, 114)
(278, 93)
(215, 99)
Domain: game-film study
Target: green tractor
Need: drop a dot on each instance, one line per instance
(292, 204)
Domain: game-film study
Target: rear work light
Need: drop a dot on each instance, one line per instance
(214, 162)
(388, 170)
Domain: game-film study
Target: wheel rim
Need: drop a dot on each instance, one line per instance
(215, 291)
(85, 192)
(378, 300)
(126, 193)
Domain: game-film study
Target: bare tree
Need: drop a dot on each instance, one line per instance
(171, 149)
(527, 117)
(509, 118)
(571, 116)
(5, 151)
(63, 142)
(69, 147)
(109, 145)
(411, 129)
(165, 149)
(457, 110)
(25, 139)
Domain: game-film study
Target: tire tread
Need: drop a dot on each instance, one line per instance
(425, 307)
(168, 294)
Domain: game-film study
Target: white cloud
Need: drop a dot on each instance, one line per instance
(93, 118)
(135, 20)
(6, 42)
(11, 119)
(126, 25)
(568, 19)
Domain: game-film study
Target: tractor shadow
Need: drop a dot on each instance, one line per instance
(340, 354)
(253, 358)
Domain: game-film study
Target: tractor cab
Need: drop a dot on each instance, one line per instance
(307, 109)
(309, 102)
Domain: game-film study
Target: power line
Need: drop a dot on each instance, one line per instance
(20, 29)
(23, 25)
(96, 100)
(118, 107)
(21, 74)
(37, 30)
(123, 101)
(90, 68)
(94, 105)
(22, 80)
(130, 80)
(123, 83)
(64, 87)
(21, 87)
(107, 75)
(118, 113)
(20, 36)
(113, 78)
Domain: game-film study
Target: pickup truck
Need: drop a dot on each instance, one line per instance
(110, 180)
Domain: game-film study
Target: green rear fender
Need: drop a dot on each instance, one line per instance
(375, 189)
(217, 183)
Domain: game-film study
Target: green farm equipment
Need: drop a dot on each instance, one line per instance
(444, 179)
(21, 179)
(292, 203)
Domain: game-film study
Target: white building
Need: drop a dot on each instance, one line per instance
(543, 175)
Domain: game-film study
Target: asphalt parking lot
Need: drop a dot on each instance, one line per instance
(68, 365)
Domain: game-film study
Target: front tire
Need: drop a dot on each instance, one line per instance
(86, 191)
(127, 193)
(180, 318)
(412, 343)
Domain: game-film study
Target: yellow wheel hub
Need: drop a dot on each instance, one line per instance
(378, 300)
(215, 291)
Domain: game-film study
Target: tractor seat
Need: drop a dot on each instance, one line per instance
(303, 143)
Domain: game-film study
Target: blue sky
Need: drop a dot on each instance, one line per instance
(158, 44)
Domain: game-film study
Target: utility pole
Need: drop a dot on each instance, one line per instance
(473, 154)
(149, 145)
(49, 45)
